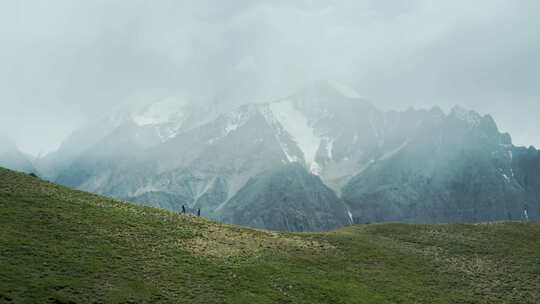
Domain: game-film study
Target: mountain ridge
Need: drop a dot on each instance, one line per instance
(343, 139)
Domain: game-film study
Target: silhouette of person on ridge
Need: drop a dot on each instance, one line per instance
(199, 212)
(183, 209)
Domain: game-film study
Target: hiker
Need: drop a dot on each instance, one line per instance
(199, 212)
(183, 209)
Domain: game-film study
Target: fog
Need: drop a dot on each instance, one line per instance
(64, 63)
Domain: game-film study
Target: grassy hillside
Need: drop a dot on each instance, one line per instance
(59, 245)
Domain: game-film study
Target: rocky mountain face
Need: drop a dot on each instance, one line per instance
(459, 168)
(526, 165)
(288, 198)
(319, 159)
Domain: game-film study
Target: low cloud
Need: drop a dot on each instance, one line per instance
(67, 62)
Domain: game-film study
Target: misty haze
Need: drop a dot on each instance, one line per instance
(269, 152)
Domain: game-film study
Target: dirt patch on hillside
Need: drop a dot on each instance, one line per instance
(223, 240)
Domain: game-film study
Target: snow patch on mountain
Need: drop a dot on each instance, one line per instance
(205, 189)
(297, 125)
(291, 158)
(280, 133)
(470, 117)
(232, 121)
(501, 172)
(167, 133)
(160, 112)
(144, 189)
(315, 168)
(330, 148)
(237, 119)
(166, 117)
(350, 216)
(344, 90)
(232, 125)
(391, 153)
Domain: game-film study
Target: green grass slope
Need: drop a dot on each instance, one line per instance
(59, 245)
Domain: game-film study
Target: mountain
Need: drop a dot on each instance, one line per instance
(206, 164)
(11, 157)
(59, 245)
(455, 169)
(290, 199)
(413, 165)
(125, 130)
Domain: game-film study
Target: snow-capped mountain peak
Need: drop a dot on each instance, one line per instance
(160, 112)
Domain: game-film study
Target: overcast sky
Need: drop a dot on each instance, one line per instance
(65, 62)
